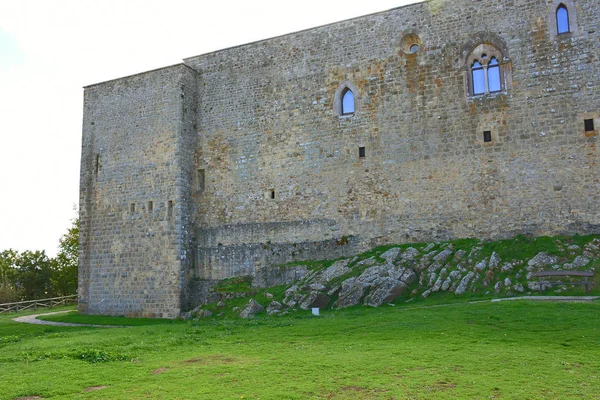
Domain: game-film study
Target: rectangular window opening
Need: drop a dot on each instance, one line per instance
(361, 152)
(150, 206)
(200, 180)
(170, 208)
(132, 207)
(588, 124)
(487, 136)
(271, 194)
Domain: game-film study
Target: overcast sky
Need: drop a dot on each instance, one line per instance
(50, 49)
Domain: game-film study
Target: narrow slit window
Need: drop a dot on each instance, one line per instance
(97, 164)
(200, 180)
(494, 75)
(347, 102)
(361, 152)
(150, 206)
(487, 136)
(588, 125)
(170, 208)
(271, 194)
(562, 19)
(132, 207)
(478, 76)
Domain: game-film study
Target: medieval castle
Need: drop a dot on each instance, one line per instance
(438, 120)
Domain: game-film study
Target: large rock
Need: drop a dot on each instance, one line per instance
(371, 274)
(446, 284)
(541, 260)
(338, 269)
(443, 255)
(460, 254)
(384, 291)
(315, 300)
(352, 292)
(462, 286)
(391, 255)
(274, 308)
(494, 260)
(480, 266)
(410, 254)
(405, 275)
(252, 308)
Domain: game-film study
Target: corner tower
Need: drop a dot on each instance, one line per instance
(137, 146)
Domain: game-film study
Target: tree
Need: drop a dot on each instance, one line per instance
(34, 274)
(64, 280)
(8, 272)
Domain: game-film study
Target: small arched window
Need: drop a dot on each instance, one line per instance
(347, 102)
(562, 19)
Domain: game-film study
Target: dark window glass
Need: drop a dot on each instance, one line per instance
(487, 136)
(347, 102)
(478, 78)
(414, 48)
(494, 76)
(361, 152)
(589, 125)
(562, 19)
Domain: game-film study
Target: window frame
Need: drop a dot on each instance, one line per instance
(338, 109)
(487, 58)
(560, 7)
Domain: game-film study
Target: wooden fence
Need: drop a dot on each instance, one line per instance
(35, 304)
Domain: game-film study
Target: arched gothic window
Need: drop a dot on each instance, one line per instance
(489, 71)
(562, 19)
(347, 102)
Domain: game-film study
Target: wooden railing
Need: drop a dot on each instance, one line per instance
(35, 304)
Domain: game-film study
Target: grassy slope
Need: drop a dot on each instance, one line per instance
(485, 350)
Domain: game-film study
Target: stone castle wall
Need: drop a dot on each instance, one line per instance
(264, 170)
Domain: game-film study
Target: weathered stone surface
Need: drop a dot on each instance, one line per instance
(252, 308)
(446, 284)
(410, 254)
(480, 266)
(274, 307)
(352, 293)
(518, 288)
(494, 260)
(498, 287)
(462, 287)
(541, 260)
(460, 255)
(506, 267)
(315, 300)
(580, 261)
(338, 269)
(405, 275)
(507, 282)
(385, 291)
(391, 255)
(442, 256)
(317, 287)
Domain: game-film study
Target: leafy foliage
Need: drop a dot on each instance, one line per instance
(33, 275)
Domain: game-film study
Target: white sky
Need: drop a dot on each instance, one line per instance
(50, 49)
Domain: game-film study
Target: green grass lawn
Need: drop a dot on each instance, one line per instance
(507, 350)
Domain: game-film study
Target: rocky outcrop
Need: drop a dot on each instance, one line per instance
(416, 271)
(252, 308)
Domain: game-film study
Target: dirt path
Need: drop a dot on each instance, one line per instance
(32, 319)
